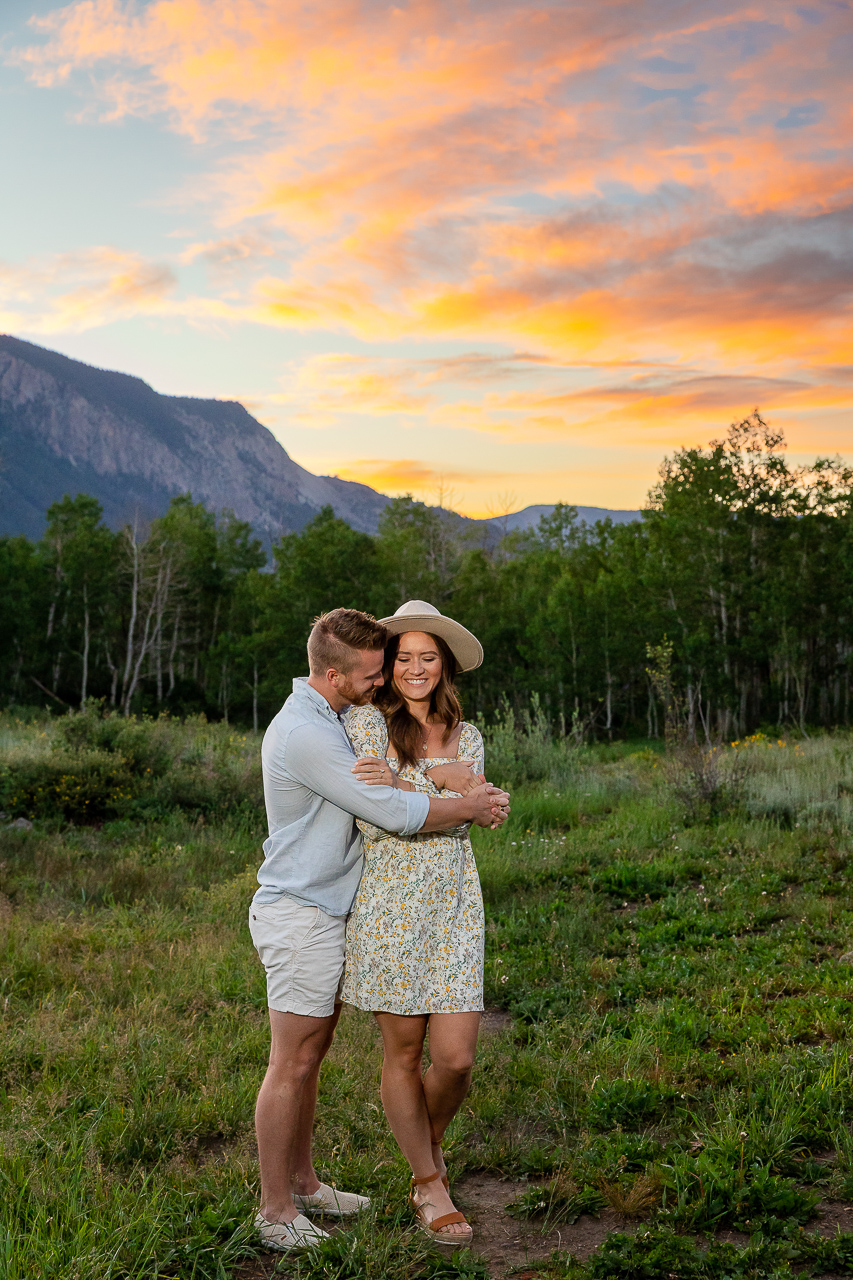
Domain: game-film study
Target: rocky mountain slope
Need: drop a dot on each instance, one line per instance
(66, 427)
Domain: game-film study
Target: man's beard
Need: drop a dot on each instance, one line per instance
(353, 697)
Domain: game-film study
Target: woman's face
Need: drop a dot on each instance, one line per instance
(417, 667)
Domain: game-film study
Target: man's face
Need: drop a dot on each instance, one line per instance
(357, 685)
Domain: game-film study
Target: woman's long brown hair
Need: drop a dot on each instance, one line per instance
(405, 732)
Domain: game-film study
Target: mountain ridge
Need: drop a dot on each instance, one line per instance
(68, 427)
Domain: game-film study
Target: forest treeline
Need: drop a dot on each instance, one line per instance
(741, 563)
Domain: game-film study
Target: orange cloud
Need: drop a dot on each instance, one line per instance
(77, 291)
(515, 399)
(230, 251)
(621, 186)
(407, 475)
(327, 386)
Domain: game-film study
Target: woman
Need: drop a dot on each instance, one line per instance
(415, 936)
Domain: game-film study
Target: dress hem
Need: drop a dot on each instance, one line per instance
(411, 1013)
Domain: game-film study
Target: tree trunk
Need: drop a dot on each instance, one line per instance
(85, 679)
(172, 652)
(224, 687)
(131, 626)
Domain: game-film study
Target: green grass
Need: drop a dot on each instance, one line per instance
(681, 1044)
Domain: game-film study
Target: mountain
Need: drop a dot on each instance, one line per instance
(529, 517)
(66, 427)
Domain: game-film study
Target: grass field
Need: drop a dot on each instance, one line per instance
(666, 935)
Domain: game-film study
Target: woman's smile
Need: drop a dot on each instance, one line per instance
(417, 666)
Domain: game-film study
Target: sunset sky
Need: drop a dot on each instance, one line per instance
(514, 251)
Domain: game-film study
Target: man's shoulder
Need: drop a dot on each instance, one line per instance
(296, 725)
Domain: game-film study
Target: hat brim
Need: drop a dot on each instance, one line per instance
(464, 646)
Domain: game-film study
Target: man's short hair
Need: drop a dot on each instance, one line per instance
(339, 636)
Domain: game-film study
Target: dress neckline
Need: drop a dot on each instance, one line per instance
(441, 759)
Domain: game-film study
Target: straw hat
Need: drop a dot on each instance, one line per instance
(417, 615)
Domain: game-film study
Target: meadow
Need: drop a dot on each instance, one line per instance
(667, 942)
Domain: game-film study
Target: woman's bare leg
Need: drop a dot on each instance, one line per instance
(452, 1047)
(402, 1093)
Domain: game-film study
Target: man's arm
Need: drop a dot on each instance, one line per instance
(322, 761)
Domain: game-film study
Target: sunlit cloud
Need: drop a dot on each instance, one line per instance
(622, 220)
(513, 399)
(407, 475)
(81, 290)
(230, 251)
(327, 386)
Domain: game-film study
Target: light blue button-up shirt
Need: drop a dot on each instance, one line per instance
(313, 852)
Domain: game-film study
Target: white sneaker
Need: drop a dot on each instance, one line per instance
(335, 1204)
(285, 1236)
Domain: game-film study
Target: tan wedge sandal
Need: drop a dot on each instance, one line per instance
(435, 1229)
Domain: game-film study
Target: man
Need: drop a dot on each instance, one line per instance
(308, 881)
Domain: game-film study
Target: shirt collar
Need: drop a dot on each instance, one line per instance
(302, 689)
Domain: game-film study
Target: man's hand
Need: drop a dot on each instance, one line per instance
(490, 805)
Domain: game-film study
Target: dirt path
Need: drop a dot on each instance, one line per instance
(507, 1243)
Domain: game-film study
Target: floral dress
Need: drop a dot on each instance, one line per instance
(415, 935)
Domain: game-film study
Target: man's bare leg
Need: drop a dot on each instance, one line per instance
(304, 1179)
(284, 1115)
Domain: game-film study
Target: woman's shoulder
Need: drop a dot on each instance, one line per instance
(470, 733)
(366, 717)
(367, 730)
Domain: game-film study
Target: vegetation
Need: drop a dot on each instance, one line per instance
(738, 576)
(680, 1044)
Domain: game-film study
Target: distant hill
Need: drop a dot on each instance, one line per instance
(66, 427)
(529, 517)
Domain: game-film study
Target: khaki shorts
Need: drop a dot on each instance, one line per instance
(302, 950)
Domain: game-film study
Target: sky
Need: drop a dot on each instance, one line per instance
(491, 254)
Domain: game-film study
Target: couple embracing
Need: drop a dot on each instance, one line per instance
(369, 894)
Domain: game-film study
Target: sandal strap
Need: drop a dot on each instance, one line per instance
(445, 1220)
(420, 1182)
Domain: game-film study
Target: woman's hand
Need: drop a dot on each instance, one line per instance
(375, 771)
(455, 775)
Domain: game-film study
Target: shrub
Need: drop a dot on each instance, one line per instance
(524, 748)
(82, 787)
(710, 783)
(101, 765)
(143, 743)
